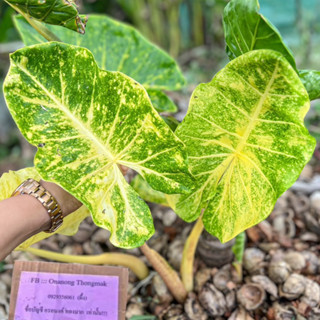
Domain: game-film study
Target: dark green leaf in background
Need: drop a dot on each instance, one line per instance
(8, 31)
(161, 101)
(118, 47)
(246, 30)
(56, 12)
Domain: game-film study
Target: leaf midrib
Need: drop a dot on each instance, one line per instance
(254, 118)
(254, 38)
(257, 111)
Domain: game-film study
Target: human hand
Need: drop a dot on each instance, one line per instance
(23, 216)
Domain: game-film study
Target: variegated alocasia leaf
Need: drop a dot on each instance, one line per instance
(144, 190)
(56, 12)
(246, 142)
(246, 29)
(87, 121)
(11, 180)
(119, 47)
(311, 81)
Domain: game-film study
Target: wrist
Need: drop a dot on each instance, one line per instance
(39, 219)
(27, 214)
(67, 202)
(47, 200)
(21, 217)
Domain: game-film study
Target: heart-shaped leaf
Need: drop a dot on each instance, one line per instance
(246, 30)
(119, 47)
(86, 122)
(56, 12)
(11, 180)
(246, 142)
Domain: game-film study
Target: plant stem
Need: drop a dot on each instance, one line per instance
(38, 26)
(41, 29)
(120, 259)
(238, 267)
(189, 250)
(238, 250)
(169, 276)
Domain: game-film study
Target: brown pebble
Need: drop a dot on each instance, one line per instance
(251, 296)
(279, 271)
(295, 260)
(213, 300)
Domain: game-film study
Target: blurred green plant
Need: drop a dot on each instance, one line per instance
(177, 24)
(313, 121)
(2, 266)
(145, 317)
(56, 12)
(8, 32)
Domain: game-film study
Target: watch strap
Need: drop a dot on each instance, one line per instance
(35, 189)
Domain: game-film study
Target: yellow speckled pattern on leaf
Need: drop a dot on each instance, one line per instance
(87, 121)
(246, 142)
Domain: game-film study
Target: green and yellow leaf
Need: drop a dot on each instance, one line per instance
(55, 12)
(9, 181)
(119, 47)
(246, 29)
(246, 142)
(144, 190)
(87, 121)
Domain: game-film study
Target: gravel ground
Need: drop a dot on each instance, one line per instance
(280, 269)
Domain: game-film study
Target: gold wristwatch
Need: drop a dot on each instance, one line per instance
(35, 189)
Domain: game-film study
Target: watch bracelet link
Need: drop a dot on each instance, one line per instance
(35, 189)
